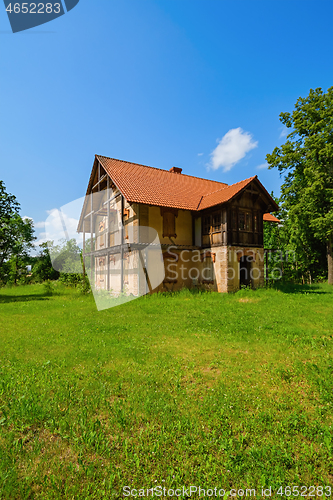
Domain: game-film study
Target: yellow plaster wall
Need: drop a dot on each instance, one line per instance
(183, 226)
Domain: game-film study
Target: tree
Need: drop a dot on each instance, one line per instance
(22, 233)
(307, 160)
(16, 235)
(300, 257)
(42, 269)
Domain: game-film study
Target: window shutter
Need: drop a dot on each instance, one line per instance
(169, 222)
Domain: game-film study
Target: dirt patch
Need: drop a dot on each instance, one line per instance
(248, 300)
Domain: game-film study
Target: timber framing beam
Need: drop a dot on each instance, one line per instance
(98, 183)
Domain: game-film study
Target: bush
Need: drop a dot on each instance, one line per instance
(48, 288)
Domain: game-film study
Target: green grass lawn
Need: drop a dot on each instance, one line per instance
(227, 391)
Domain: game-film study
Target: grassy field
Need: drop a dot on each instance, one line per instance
(227, 391)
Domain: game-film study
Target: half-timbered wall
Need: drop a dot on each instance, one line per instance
(239, 223)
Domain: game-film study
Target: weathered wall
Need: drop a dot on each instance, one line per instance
(256, 268)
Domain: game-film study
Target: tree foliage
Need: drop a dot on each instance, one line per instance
(42, 269)
(16, 237)
(299, 259)
(306, 159)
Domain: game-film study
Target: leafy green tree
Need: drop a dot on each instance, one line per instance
(42, 269)
(9, 209)
(16, 236)
(22, 232)
(307, 161)
(300, 256)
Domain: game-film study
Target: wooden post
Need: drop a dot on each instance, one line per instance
(91, 236)
(237, 226)
(139, 248)
(107, 236)
(330, 261)
(122, 245)
(266, 255)
(229, 226)
(146, 270)
(193, 229)
(83, 247)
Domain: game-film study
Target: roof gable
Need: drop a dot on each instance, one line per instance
(224, 194)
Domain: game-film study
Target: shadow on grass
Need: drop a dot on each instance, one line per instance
(299, 289)
(6, 299)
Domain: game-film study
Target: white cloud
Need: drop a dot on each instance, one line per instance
(262, 166)
(26, 217)
(284, 131)
(231, 149)
(200, 154)
(39, 225)
(62, 224)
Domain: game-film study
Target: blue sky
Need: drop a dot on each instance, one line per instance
(191, 83)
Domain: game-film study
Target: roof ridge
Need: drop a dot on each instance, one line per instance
(131, 163)
(163, 170)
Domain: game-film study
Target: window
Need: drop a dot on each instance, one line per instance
(206, 225)
(248, 221)
(245, 221)
(216, 222)
(234, 219)
(255, 220)
(241, 221)
(169, 225)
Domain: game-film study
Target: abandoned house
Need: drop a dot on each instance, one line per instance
(210, 234)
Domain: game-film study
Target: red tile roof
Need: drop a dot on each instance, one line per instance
(270, 218)
(154, 186)
(224, 194)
